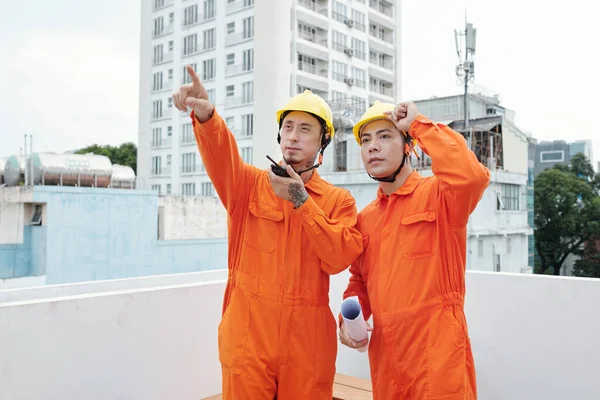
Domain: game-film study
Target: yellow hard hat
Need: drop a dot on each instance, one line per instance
(374, 113)
(310, 103)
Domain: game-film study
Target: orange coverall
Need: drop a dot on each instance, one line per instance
(277, 336)
(411, 274)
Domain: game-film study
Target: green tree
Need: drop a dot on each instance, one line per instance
(125, 154)
(566, 212)
(589, 263)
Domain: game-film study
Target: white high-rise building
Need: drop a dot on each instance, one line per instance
(252, 57)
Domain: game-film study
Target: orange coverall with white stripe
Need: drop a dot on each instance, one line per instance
(277, 336)
(411, 274)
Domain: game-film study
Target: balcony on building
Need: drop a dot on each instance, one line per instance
(324, 94)
(381, 89)
(160, 172)
(196, 19)
(199, 48)
(162, 31)
(316, 6)
(192, 169)
(381, 34)
(162, 114)
(238, 37)
(238, 101)
(239, 5)
(311, 34)
(160, 4)
(162, 86)
(237, 69)
(161, 143)
(385, 7)
(381, 60)
(163, 58)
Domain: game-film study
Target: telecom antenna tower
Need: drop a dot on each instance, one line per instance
(465, 70)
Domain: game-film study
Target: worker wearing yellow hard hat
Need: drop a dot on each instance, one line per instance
(287, 235)
(380, 111)
(314, 105)
(411, 275)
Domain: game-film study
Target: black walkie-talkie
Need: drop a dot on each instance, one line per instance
(278, 169)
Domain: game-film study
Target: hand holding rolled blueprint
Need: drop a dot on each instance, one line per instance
(354, 320)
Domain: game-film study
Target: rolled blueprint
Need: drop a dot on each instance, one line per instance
(354, 320)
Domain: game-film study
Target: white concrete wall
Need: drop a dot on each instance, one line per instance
(515, 150)
(39, 290)
(157, 343)
(150, 344)
(533, 336)
(192, 217)
(16, 284)
(12, 212)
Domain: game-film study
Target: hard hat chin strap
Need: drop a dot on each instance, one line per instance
(390, 178)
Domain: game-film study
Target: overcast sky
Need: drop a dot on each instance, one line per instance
(69, 68)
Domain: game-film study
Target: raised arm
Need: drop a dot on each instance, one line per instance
(463, 179)
(217, 145)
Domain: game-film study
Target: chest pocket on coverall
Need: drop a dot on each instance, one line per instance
(418, 231)
(263, 226)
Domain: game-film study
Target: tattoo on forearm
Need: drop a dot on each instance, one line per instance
(297, 194)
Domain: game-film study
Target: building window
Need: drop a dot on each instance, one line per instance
(158, 53)
(340, 11)
(359, 20)
(509, 199)
(480, 248)
(158, 26)
(247, 92)
(157, 81)
(230, 122)
(156, 165)
(188, 189)
(169, 160)
(190, 15)
(552, 156)
(157, 109)
(230, 59)
(359, 48)
(248, 125)
(248, 27)
(248, 60)
(171, 45)
(211, 95)
(188, 163)
(156, 137)
(246, 154)
(209, 39)
(206, 189)
(208, 69)
(168, 188)
(169, 102)
(359, 76)
(170, 73)
(155, 188)
(209, 9)
(229, 90)
(340, 71)
(230, 28)
(340, 41)
(190, 44)
(187, 134)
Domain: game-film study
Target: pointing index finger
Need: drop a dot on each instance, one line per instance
(193, 75)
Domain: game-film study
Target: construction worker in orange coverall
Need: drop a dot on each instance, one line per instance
(411, 274)
(287, 235)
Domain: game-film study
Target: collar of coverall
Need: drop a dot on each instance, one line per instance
(411, 183)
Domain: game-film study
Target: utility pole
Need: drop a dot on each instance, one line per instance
(465, 70)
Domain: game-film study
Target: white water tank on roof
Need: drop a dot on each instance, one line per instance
(13, 171)
(71, 169)
(123, 177)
